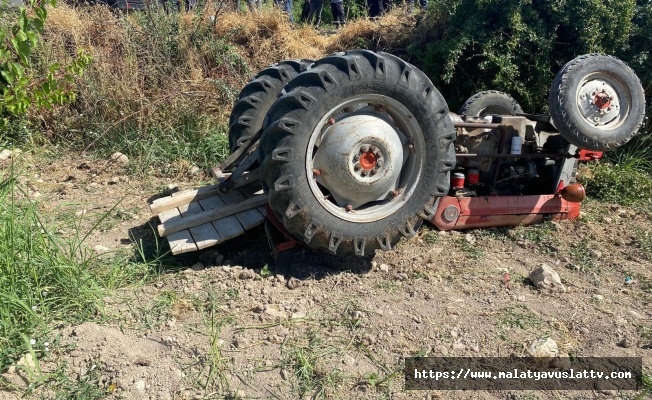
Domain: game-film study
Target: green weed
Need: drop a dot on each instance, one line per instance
(519, 317)
(581, 256)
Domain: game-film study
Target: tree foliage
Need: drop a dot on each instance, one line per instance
(21, 85)
(517, 46)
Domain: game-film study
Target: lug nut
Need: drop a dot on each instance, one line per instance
(373, 149)
(363, 173)
(356, 167)
(316, 172)
(348, 208)
(379, 163)
(378, 154)
(363, 149)
(356, 157)
(372, 172)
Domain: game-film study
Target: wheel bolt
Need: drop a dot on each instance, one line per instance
(316, 172)
(348, 208)
(356, 157)
(373, 149)
(363, 149)
(356, 167)
(363, 173)
(379, 154)
(379, 163)
(372, 172)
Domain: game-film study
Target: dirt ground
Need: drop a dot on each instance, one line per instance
(229, 322)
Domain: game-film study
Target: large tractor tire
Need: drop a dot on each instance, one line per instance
(490, 102)
(597, 102)
(356, 153)
(257, 97)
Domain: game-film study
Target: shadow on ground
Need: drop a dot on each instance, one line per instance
(250, 250)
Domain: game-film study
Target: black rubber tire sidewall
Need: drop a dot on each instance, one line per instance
(248, 113)
(296, 206)
(567, 117)
(490, 102)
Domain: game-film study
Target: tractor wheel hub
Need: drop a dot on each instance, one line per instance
(360, 158)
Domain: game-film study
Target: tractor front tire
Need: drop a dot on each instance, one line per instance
(356, 153)
(597, 102)
(257, 97)
(490, 102)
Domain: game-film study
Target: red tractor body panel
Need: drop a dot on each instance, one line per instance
(492, 211)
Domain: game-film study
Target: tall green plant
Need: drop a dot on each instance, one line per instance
(21, 87)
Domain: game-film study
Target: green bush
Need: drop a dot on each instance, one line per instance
(619, 184)
(517, 46)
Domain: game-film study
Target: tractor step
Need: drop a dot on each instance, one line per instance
(195, 219)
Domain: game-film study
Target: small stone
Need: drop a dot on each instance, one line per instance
(80, 213)
(273, 312)
(546, 278)
(246, 274)
(293, 283)
(454, 334)
(442, 349)
(458, 346)
(99, 249)
(470, 239)
(635, 314)
(348, 360)
(608, 220)
(198, 267)
(625, 343)
(374, 264)
(298, 315)
(140, 386)
(584, 331)
(284, 374)
(595, 254)
(545, 347)
(119, 158)
(171, 323)
(384, 267)
(258, 308)
(357, 315)
(114, 180)
(169, 341)
(5, 154)
(239, 343)
(194, 170)
(520, 298)
(597, 297)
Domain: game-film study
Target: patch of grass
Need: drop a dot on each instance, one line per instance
(215, 365)
(430, 236)
(621, 184)
(646, 382)
(472, 250)
(543, 235)
(46, 277)
(581, 257)
(519, 317)
(387, 285)
(305, 360)
(644, 239)
(87, 386)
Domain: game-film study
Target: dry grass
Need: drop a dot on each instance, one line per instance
(179, 73)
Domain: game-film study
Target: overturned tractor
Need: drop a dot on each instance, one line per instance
(350, 153)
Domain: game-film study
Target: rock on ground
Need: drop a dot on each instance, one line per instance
(546, 278)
